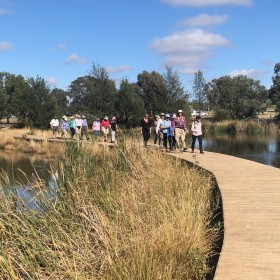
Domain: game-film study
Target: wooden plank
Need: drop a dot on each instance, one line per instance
(59, 140)
(251, 206)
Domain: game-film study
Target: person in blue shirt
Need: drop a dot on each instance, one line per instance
(166, 129)
(64, 127)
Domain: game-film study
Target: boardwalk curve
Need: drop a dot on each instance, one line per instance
(251, 208)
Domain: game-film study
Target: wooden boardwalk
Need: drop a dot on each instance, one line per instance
(251, 207)
(58, 140)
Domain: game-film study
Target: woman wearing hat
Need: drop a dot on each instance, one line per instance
(180, 131)
(155, 128)
(166, 129)
(64, 127)
(84, 130)
(96, 127)
(72, 126)
(78, 127)
(158, 130)
(105, 125)
(114, 128)
(197, 133)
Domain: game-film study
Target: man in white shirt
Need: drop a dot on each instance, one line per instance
(54, 126)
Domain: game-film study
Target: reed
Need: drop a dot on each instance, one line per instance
(237, 126)
(126, 213)
(8, 142)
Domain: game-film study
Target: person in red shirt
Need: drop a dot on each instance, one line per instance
(105, 125)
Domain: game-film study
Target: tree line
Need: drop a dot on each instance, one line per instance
(34, 103)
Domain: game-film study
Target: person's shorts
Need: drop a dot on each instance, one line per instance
(55, 128)
(105, 130)
(96, 133)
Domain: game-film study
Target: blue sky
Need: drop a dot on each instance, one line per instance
(59, 40)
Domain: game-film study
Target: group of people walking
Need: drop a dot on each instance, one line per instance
(77, 126)
(170, 133)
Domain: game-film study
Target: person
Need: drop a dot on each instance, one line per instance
(197, 133)
(78, 122)
(167, 132)
(72, 126)
(54, 126)
(155, 128)
(84, 130)
(145, 129)
(114, 128)
(64, 127)
(96, 127)
(180, 131)
(174, 143)
(105, 125)
(158, 130)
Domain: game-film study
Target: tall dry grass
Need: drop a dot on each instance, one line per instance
(125, 213)
(9, 143)
(248, 126)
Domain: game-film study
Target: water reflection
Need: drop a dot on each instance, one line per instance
(261, 148)
(26, 179)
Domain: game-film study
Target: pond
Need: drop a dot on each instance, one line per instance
(25, 177)
(260, 148)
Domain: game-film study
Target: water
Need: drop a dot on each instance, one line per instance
(26, 178)
(260, 148)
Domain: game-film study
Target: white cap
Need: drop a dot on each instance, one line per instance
(180, 111)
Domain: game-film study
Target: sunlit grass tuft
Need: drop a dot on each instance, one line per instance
(122, 213)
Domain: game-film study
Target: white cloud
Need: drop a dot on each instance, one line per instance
(74, 58)
(189, 49)
(251, 73)
(205, 20)
(119, 69)
(61, 46)
(5, 11)
(52, 81)
(201, 3)
(5, 46)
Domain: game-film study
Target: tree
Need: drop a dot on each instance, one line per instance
(177, 97)
(11, 87)
(129, 104)
(199, 90)
(60, 97)
(237, 97)
(93, 94)
(153, 91)
(41, 105)
(274, 92)
(3, 96)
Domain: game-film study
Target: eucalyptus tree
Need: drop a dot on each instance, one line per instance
(60, 96)
(41, 107)
(153, 91)
(177, 97)
(93, 94)
(274, 92)
(129, 105)
(199, 92)
(236, 98)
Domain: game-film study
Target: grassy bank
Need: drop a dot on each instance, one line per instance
(248, 126)
(125, 213)
(9, 143)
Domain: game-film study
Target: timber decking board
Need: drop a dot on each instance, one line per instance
(251, 208)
